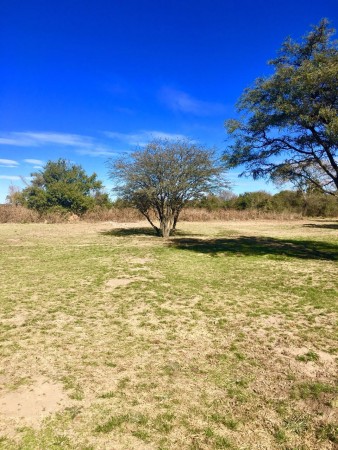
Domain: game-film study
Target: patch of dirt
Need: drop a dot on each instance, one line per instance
(140, 260)
(325, 365)
(16, 321)
(118, 282)
(31, 404)
(270, 321)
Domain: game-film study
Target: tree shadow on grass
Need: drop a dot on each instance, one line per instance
(259, 246)
(126, 232)
(140, 231)
(328, 226)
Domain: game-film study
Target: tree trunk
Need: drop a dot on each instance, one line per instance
(166, 226)
(176, 214)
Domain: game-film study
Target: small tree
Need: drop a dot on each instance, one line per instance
(14, 195)
(289, 130)
(63, 186)
(163, 177)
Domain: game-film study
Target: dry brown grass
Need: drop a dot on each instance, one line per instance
(113, 214)
(19, 214)
(205, 215)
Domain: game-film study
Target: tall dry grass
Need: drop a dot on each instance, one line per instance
(205, 215)
(113, 215)
(19, 214)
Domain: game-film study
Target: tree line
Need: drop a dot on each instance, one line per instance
(310, 203)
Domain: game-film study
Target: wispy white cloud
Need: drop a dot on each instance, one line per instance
(142, 137)
(10, 177)
(8, 163)
(36, 139)
(38, 162)
(97, 150)
(177, 100)
(85, 145)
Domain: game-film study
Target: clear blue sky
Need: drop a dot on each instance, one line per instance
(85, 79)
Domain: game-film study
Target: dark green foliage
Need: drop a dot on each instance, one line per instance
(254, 200)
(210, 202)
(289, 128)
(61, 187)
(311, 203)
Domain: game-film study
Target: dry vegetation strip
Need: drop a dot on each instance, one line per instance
(225, 336)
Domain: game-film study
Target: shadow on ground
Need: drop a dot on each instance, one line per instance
(125, 232)
(329, 226)
(141, 231)
(259, 246)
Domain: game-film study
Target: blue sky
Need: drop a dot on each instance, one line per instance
(85, 80)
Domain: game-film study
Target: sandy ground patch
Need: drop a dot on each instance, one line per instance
(114, 283)
(31, 404)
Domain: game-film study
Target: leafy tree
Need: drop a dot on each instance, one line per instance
(289, 127)
(259, 200)
(161, 178)
(63, 186)
(211, 202)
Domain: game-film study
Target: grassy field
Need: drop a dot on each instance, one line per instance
(222, 337)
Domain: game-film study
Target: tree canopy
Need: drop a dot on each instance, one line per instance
(63, 186)
(288, 129)
(161, 178)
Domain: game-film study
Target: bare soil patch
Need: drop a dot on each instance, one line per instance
(118, 282)
(31, 404)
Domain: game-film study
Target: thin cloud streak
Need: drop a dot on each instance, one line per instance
(142, 137)
(179, 101)
(36, 139)
(8, 163)
(10, 177)
(84, 145)
(37, 162)
(97, 151)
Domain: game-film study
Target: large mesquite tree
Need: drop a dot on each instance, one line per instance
(289, 127)
(162, 177)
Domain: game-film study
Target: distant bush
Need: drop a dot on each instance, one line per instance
(311, 204)
(260, 200)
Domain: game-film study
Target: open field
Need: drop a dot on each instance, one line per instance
(224, 336)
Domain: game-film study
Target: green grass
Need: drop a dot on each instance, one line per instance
(112, 423)
(223, 328)
(309, 356)
(313, 390)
